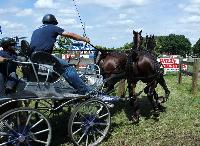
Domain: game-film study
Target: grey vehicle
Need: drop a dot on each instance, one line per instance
(41, 93)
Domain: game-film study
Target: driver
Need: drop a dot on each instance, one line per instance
(43, 39)
(8, 74)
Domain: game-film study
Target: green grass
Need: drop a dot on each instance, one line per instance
(178, 125)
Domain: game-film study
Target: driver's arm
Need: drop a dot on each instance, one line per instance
(2, 59)
(75, 37)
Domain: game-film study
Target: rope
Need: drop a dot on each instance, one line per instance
(79, 16)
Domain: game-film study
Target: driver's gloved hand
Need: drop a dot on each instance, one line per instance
(21, 58)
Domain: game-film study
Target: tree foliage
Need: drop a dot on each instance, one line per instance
(173, 45)
(196, 48)
(62, 45)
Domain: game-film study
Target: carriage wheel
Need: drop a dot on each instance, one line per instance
(21, 127)
(89, 123)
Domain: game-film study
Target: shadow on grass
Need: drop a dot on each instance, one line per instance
(144, 105)
(146, 109)
(60, 130)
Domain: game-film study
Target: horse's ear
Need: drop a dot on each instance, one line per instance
(134, 31)
(140, 32)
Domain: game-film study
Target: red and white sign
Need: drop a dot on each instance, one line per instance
(171, 64)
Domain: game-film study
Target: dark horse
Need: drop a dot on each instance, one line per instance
(112, 66)
(134, 65)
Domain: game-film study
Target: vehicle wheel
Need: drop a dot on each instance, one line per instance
(89, 123)
(21, 126)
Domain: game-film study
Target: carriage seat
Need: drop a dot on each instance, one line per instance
(45, 64)
(44, 58)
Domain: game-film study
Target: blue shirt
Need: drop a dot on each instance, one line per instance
(44, 37)
(7, 67)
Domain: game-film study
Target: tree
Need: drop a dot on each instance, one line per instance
(174, 45)
(126, 46)
(63, 45)
(196, 48)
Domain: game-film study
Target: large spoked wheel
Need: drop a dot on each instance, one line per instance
(89, 123)
(24, 127)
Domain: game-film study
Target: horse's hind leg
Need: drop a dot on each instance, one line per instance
(112, 80)
(152, 98)
(162, 82)
(160, 107)
(134, 102)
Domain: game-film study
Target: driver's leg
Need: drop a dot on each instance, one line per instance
(73, 78)
(70, 74)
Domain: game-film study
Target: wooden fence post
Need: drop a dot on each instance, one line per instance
(180, 69)
(195, 75)
(121, 88)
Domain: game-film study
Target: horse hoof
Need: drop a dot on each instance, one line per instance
(161, 99)
(135, 119)
(156, 119)
(167, 94)
(156, 114)
(161, 108)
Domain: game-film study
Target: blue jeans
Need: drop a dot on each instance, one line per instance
(71, 76)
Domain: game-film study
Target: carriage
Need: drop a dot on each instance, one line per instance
(41, 93)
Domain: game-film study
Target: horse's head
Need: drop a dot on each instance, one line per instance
(137, 38)
(150, 42)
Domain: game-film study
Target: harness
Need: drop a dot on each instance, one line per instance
(133, 58)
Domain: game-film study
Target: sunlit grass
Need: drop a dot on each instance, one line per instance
(179, 125)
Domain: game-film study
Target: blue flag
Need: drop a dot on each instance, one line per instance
(0, 29)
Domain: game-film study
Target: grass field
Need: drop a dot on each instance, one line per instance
(178, 125)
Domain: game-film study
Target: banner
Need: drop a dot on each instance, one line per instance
(171, 64)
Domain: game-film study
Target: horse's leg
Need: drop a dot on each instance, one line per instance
(112, 80)
(162, 82)
(152, 98)
(109, 85)
(156, 97)
(134, 102)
